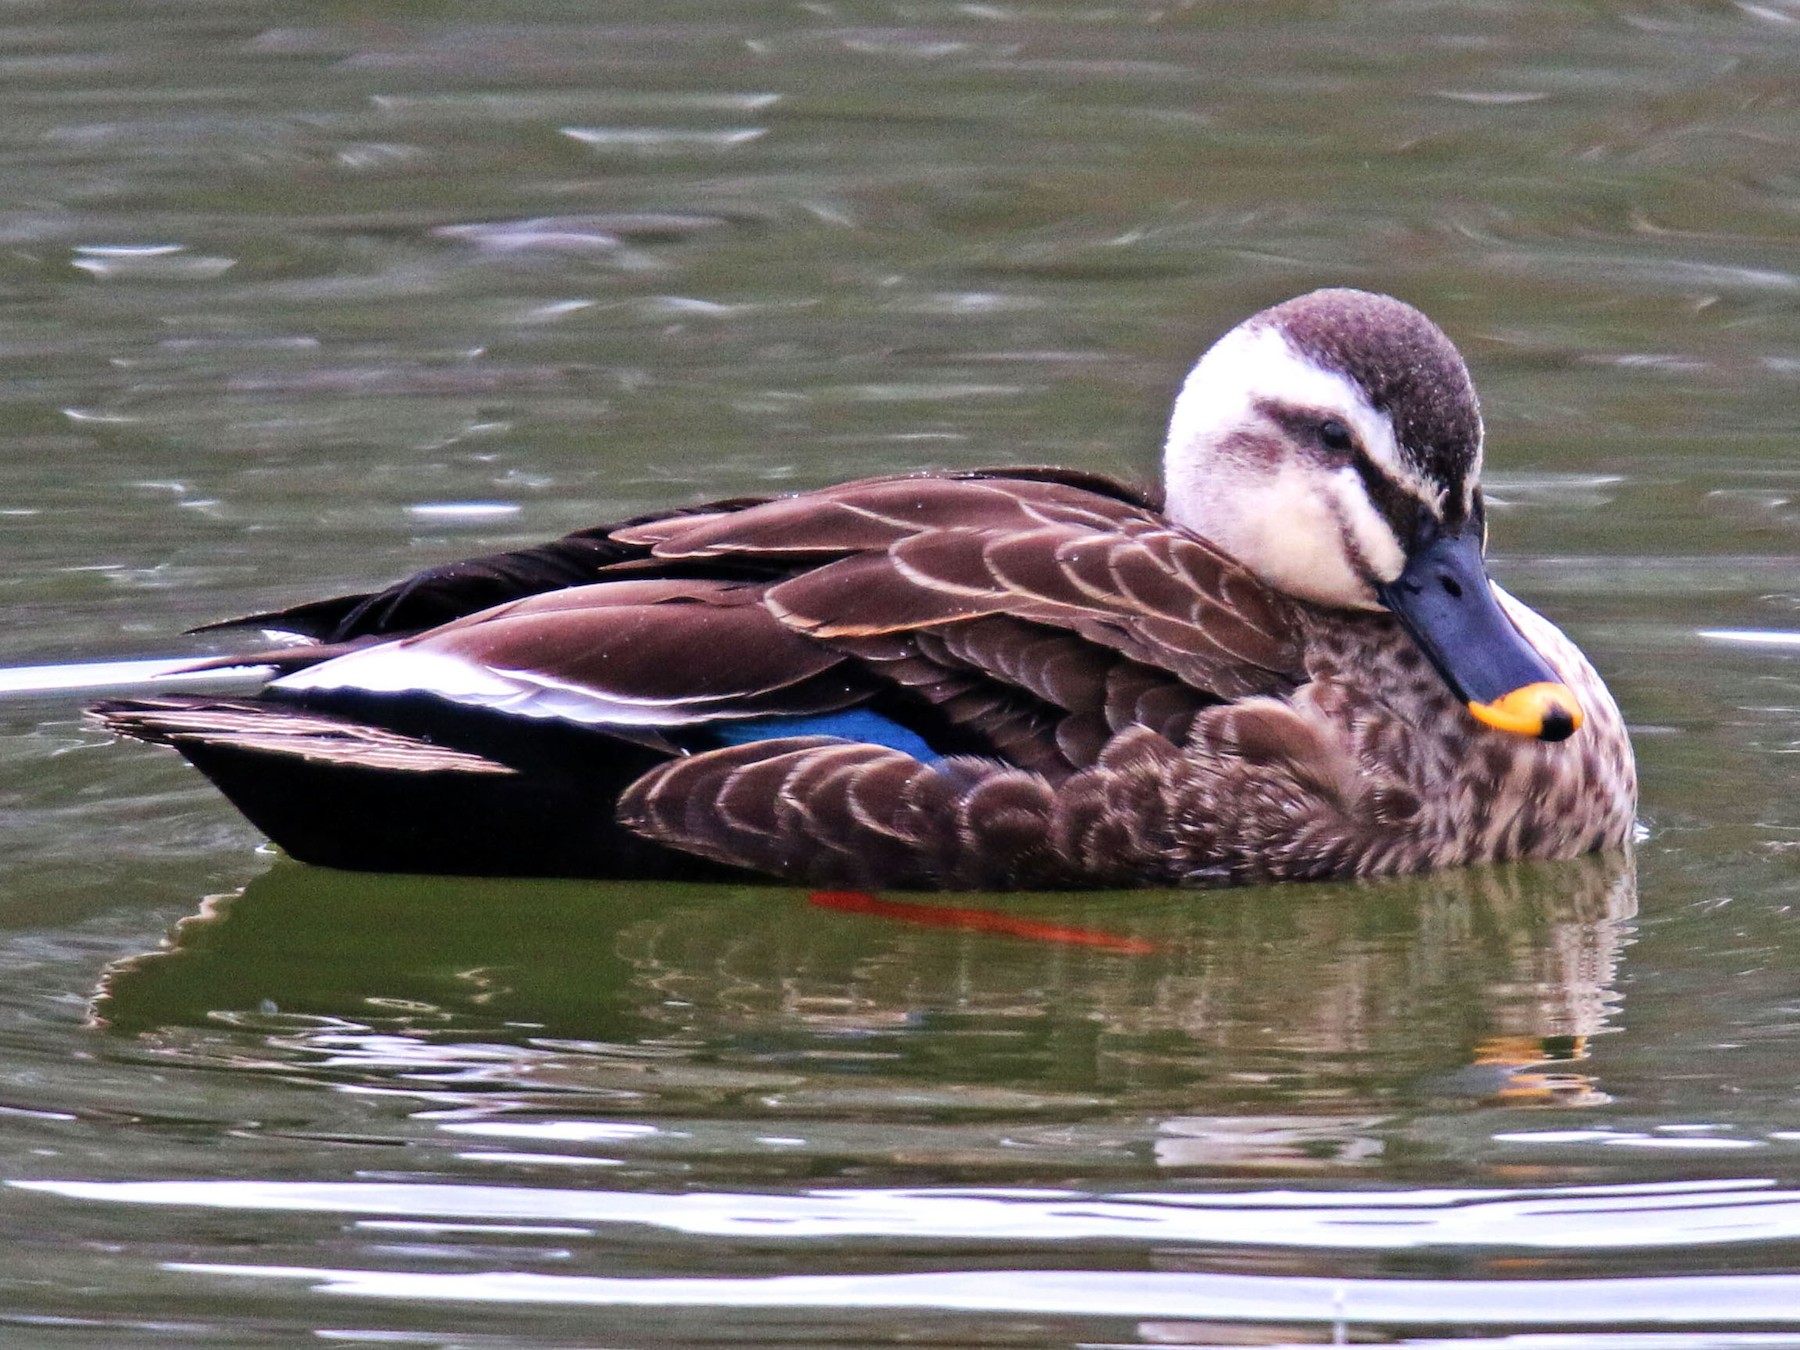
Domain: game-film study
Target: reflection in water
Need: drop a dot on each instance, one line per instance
(1270, 1027)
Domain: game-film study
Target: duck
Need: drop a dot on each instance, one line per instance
(1289, 664)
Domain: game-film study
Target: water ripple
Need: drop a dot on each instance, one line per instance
(1587, 1219)
(1694, 1300)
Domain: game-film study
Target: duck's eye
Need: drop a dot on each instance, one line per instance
(1335, 436)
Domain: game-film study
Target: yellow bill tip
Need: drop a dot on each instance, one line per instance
(1545, 710)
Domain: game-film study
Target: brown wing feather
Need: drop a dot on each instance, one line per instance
(1037, 614)
(1032, 607)
(684, 644)
(1201, 624)
(918, 552)
(874, 512)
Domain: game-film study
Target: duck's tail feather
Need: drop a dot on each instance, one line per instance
(252, 727)
(345, 793)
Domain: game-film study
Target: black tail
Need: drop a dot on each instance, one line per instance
(342, 792)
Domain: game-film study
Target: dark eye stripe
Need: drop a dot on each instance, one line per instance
(1398, 506)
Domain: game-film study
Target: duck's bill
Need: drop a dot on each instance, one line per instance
(1444, 600)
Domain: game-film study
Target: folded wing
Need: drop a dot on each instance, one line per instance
(948, 670)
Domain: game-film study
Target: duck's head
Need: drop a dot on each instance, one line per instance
(1332, 444)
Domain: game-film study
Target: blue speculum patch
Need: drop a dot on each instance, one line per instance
(854, 724)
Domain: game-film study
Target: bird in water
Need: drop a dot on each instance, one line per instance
(1290, 664)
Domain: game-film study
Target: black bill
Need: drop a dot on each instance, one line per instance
(1444, 600)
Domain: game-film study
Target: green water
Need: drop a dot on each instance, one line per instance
(294, 300)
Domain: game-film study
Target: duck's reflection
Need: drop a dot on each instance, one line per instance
(1314, 1003)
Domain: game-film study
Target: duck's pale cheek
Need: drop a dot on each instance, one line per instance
(1310, 535)
(1368, 538)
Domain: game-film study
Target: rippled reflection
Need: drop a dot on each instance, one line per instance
(1569, 1219)
(1174, 1231)
(1260, 1027)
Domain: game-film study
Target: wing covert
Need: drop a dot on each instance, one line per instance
(1040, 615)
